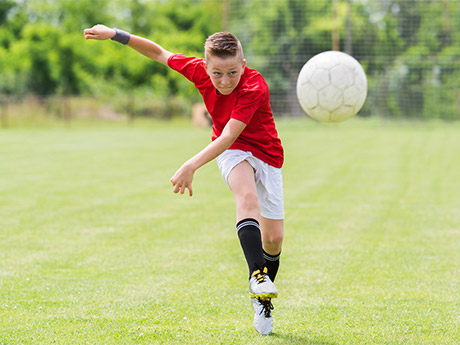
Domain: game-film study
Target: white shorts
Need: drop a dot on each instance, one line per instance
(268, 179)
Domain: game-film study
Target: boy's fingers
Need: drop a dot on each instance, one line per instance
(88, 33)
(180, 188)
(183, 188)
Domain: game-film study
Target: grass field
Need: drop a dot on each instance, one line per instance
(96, 249)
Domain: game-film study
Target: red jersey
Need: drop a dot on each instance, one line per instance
(249, 102)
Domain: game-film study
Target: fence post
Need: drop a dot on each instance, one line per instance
(225, 14)
(66, 109)
(4, 116)
(457, 108)
(349, 30)
(335, 26)
(130, 107)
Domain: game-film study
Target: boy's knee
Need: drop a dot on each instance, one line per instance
(275, 240)
(250, 202)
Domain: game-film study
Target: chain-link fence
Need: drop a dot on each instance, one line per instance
(408, 48)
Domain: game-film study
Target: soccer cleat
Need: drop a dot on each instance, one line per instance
(261, 286)
(263, 321)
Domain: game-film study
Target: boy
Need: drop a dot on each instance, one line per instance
(245, 144)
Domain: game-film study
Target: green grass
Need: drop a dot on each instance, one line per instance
(96, 249)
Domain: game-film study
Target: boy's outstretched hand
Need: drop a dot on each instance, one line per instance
(99, 32)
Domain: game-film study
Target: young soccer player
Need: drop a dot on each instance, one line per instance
(245, 144)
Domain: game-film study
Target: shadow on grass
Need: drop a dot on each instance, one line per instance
(290, 339)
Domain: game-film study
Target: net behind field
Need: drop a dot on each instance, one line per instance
(408, 48)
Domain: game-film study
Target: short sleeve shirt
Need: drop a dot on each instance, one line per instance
(249, 102)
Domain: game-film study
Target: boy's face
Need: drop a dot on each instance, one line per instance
(225, 73)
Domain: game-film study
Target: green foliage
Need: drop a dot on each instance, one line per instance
(5, 8)
(409, 48)
(48, 55)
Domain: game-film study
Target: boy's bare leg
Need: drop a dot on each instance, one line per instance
(272, 235)
(242, 184)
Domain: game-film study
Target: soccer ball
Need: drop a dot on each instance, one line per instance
(331, 87)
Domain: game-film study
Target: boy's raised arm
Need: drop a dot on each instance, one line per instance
(142, 45)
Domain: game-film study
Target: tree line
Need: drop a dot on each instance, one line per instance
(409, 48)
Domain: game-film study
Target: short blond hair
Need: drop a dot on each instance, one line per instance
(223, 45)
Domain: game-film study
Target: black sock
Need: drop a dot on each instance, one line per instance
(251, 242)
(272, 262)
